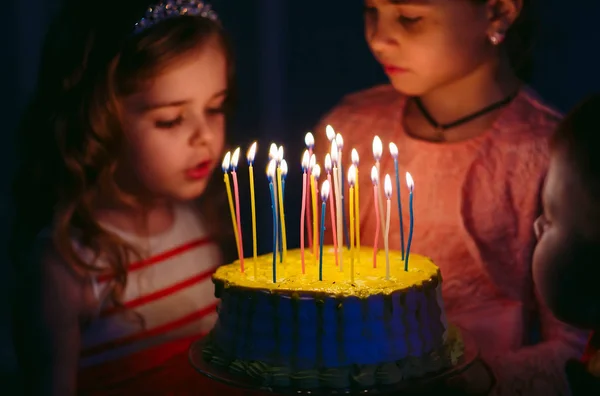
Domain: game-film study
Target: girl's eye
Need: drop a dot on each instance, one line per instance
(168, 124)
(409, 20)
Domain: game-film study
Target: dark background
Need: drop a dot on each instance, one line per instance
(295, 60)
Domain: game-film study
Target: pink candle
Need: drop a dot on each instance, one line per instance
(309, 139)
(234, 162)
(328, 166)
(375, 180)
(305, 161)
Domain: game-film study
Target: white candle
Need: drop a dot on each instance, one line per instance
(386, 236)
(338, 202)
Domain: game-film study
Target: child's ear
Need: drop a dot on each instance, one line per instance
(502, 14)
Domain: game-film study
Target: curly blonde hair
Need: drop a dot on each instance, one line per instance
(70, 136)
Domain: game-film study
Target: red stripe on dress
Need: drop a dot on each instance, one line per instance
(167, 327)
(162, 256)
(160, 293)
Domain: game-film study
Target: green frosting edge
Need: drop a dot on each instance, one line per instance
(361, 376)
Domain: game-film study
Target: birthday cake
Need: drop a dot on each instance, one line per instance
(337, 332)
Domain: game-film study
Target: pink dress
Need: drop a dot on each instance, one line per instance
(474, 205)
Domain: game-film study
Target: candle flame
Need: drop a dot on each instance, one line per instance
(284, 168)
(313, 162)
(374, 175)
(330, 132)
(340, 141)
(352, 175)
(251, 153)
(355, 159)
(325, 190)
(328, 164)
(235, 157)
(316, 172)
(271, 168)
(305, 160)
(334, 152)
(280, 154)
(309, 140)
(410, 182)
(394, 150)
(226, 165)
(273, 151)
(377, 148)
(387, 186)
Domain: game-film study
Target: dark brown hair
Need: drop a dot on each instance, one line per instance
(578, 136)
(70, 136)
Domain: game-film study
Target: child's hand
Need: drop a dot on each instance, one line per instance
(580, 380)
(476, 380)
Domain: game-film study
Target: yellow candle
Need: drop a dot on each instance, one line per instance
(357, 210)
(250, 156)
(281, 213)
(313, 193)
(352, 234)
(232, 210)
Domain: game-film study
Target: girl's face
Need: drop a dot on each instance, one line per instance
(426, 44)
(565, 260)
(175, 127)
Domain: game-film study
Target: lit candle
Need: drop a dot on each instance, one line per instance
(309, 139)
(279, 158)
(226, 165)
(274, 156)
(283, 170)
(250, 156)
(411, 188)
(351, 182)
(355, 162)
(394, 153)
(375, 180)
(305, 160)
(313, 195)
(271, 176)
(340, 144)
(234, 163)
(330, 133)
(386, 237)
(328, 166)
(324, 195)
(316, 174)
(338, 202)
(377, 153)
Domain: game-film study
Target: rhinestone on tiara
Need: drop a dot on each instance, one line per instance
(166, 9)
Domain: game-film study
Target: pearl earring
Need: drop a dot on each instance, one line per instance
(496, 38)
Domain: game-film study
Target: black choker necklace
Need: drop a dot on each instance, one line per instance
(463, 120)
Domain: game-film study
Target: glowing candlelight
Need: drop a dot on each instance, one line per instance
(274, 156)
(324, 195)
(351, 183)
(234, 163)
(386, 237)
(338, 202)
(316, 174)
(328, 167)
(330, 133)
(411, 188)
(226, 165)
(394, 153)
(309, 139)
(375, 180)
(271, 169)
(250, 157)
(377, 153)
(305, 162)
(282, 173)
(355, 162)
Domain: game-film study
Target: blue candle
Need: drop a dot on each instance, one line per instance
(411, 187)
(324, 196)
(271, 177)
(394, 152)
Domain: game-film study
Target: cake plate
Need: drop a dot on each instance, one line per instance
(427, 383)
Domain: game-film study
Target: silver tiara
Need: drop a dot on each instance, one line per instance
(166, 9)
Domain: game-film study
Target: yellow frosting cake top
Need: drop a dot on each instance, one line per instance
(367, 280)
